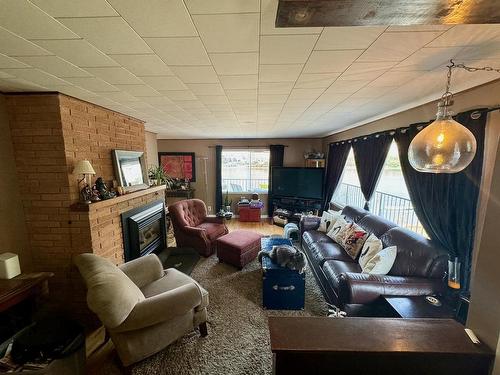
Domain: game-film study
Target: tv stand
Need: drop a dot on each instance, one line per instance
(296, 206)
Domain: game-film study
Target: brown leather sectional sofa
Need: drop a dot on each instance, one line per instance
(419, 269)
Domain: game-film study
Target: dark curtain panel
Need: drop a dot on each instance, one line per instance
(446, 203)
(276, 156)
(337, 157)
(218, 178)
(370, 155)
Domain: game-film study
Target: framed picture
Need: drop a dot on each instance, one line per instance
(178, 164)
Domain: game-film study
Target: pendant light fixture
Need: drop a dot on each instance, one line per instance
(444, 146)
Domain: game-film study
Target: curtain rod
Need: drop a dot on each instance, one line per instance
(405, 128)
(258, 146)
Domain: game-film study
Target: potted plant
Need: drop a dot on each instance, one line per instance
(158, 176)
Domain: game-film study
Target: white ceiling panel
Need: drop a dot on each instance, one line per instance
(165, 83)
(229, 32)
(331, 61)
(235, 63)
(65, 8)
(196, 74)
(34, 23)
(156, 18)
(222, 6)
(397, 46)
(248, 81)
(286, 49)
(78, 52)
(109, 34)
(143, 65)
(333, 38)
(220, 68)
(180, 51)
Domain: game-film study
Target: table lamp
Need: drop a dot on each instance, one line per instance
(83, 167)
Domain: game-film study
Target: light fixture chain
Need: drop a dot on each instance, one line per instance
(476, 68)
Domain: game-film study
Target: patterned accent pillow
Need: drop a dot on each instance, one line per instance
(370, 248)
(327, 220)
(382, 262)
(352, 239)
(336, 228)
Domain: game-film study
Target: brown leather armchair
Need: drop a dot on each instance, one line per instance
(193, 228)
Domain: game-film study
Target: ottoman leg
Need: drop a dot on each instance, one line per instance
(203, 329)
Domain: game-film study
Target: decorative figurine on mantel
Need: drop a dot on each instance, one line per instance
(84, 168)
(104, 192)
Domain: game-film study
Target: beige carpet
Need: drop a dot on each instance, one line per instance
(238, 338)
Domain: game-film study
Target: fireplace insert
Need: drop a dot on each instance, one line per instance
(144, 230)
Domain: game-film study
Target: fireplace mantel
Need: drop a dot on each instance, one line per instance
(157, 190)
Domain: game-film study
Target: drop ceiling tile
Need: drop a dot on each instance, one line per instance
(351, 37)
(165, 83)
(273, 98)
(121, 97)
(280, 73)
(78, 52)
(373, 91)
(221, 108)
(92, 84)
(4, 75)
(397, 46)
(19, 84)
(331, 61)
(139, 90)
(268, 19)
(206, 88)
(76, 92)
(275, 87)
(467, 35)
(229, 32)
(239, 81)
(180, 51)
(54, 65)
(286, 49)
(366, 71)
(196, 74)
(156, 18)
(14, 45)
(420, 28)
(143, 65)
(179, 95)
(87, 8)
(235, 63)
(9, 62)
(222, 6)
(36, 76)
(394, 78)
(428, 58)
(242, 94)
(316, 80)
(298, 94)
(33, 22)
(345, 86)
(488, 51)
(213, 99)
(109, 34)
(115, 75)
(190, 104)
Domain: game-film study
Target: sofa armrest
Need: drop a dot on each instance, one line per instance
(365, 288)
(309, 223)
(162, 307)
(144, 270)
(214, 219)
(197, 232)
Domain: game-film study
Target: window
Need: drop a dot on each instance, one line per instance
(390, 200)
(245, 171)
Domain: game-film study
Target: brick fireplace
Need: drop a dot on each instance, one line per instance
(50, 133)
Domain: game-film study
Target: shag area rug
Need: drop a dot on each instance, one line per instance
(238, 336)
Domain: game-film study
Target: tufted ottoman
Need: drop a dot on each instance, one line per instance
(238, 248)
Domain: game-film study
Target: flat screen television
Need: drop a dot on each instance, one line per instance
(297, 182)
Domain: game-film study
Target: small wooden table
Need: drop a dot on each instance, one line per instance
(22, 287)
(372, 346)
(418, 307)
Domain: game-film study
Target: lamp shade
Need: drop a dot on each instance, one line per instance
(83, 167)
(445, 146)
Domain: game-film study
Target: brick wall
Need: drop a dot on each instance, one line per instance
(50, 132)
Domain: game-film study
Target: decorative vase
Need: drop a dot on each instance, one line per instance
(228, 208)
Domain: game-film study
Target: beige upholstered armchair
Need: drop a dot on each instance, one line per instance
(143, 307)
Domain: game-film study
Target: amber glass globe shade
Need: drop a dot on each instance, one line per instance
(444, 146)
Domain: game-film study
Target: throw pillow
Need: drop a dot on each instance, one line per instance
(370, 248)
(339, 225)
(327, 219)
(352, 239)
(382, 262)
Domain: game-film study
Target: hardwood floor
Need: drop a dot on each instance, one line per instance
(264, 227)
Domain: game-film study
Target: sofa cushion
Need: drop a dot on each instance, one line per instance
(111, 294)
(213, 230)
(355, 214)
(376, 224)
(322, 251)
(333, 268)
(314, 236)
